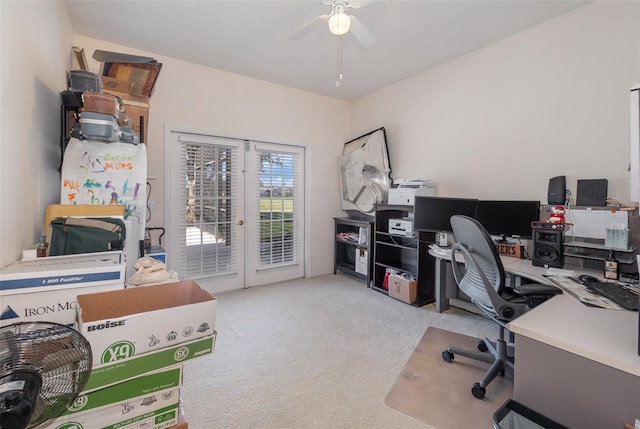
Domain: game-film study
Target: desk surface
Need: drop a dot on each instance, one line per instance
(606, 336)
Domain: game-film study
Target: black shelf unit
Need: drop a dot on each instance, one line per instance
(347, 251)
(403, 254)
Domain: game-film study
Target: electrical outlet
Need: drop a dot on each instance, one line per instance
(152, 205)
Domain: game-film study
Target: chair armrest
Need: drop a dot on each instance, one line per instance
(531, 289)
(536, 293)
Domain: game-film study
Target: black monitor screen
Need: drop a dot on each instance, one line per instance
(434, 213)
(508, 218)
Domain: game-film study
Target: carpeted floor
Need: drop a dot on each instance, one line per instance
(427, 385)
(321, 352)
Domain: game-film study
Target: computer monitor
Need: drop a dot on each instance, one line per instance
(433, 214)
(508, 218)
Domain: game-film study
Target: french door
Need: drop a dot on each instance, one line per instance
(235, 210)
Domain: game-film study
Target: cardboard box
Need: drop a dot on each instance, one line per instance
(402, 288)
(122, 370)
(135, 107)
(152, 399)
(130, 322)
(116, 85)
(141, 71)
(46, 289)
(143, 76)
(362, 261)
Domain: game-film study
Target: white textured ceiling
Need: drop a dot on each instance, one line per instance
(251, 37)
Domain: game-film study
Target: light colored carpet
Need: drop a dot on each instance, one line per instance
(321, 352)
(428, 385)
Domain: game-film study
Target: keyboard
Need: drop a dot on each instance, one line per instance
(622, 296)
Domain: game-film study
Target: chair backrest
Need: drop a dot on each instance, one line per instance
(483, 267)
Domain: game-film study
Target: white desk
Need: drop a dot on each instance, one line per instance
(575, 364)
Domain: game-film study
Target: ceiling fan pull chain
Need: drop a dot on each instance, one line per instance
(339, 72)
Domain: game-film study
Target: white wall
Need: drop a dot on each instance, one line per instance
(35, 51)
(501, 121)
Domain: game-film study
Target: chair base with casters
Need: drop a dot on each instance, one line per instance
(481, 277)
(495, 354)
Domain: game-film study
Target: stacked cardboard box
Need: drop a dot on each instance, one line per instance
(45, 289)
(150, 401)
(139, 339)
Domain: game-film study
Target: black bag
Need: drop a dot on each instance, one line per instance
(70, 235)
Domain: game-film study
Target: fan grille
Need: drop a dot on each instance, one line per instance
(59, 354)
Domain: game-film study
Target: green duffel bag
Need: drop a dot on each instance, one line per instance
(70, 235)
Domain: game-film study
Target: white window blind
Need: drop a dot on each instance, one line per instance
(208, 203)
(278, 204)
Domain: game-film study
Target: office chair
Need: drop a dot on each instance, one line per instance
(481, 276)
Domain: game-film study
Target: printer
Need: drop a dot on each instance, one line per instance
(404, 192)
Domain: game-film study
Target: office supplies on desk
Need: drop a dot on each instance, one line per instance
(560, 272)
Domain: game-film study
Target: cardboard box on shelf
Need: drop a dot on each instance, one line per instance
(153, 399)
(130, 322)
(126, 369)
(143, 77)
(402, 288)
(141, 71)
(116, 85)
(46, 289)
(135, 107)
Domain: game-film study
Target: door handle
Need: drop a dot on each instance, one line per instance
(240, 222)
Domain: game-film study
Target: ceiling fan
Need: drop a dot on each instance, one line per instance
(339, 22)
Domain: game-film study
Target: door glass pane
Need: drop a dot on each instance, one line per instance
(278, 174)
(210, 173)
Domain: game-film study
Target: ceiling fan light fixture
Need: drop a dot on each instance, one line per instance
(339, 23)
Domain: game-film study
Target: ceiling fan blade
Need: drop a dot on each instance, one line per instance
(308, 27)
(356, 4)
(361, 33)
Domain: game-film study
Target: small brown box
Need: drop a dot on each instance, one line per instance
(403, 289)
(513, 250)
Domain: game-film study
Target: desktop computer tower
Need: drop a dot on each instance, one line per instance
(548, 247)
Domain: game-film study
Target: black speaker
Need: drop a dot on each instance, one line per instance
(557, 190)
(548, 248)
(592, 192)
